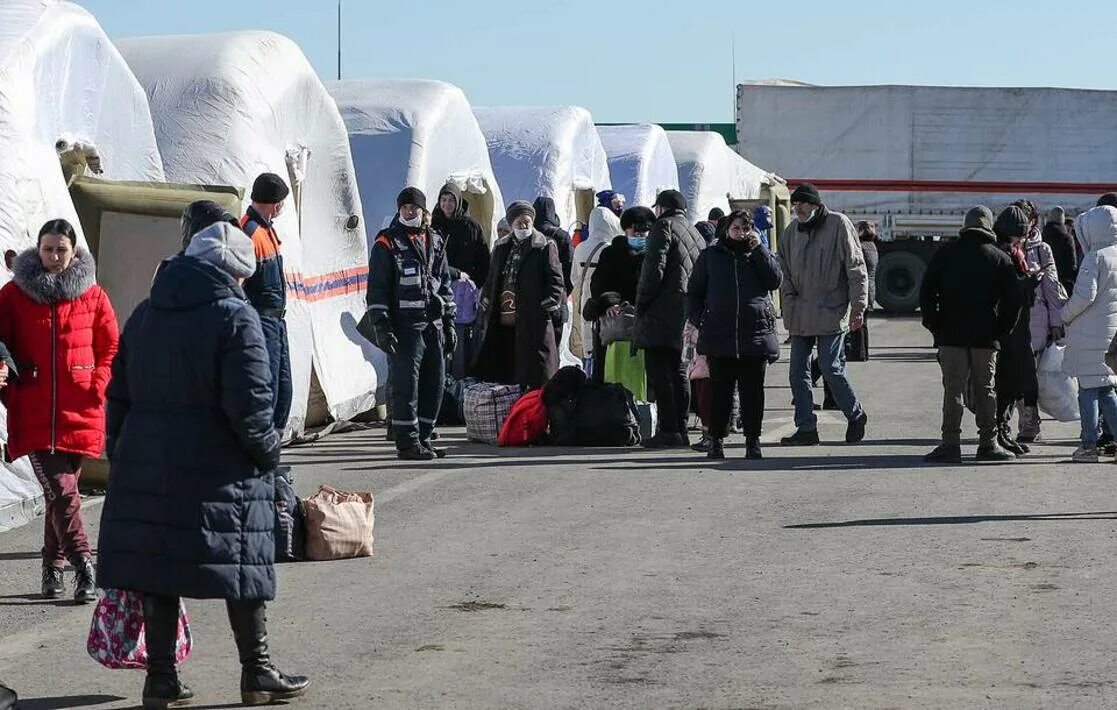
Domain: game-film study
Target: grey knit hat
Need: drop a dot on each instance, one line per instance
(979, 218)
(1056, 215)
(517, 208)
(227, 248)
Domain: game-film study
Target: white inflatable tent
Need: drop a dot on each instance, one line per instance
(710, 172)
(553, 151)
(228, 107)
(62, 84)
(641, 163)
(415, 132)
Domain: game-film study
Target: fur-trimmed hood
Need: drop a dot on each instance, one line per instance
(44, 287)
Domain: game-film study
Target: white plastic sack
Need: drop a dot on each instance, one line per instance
(1058, 392)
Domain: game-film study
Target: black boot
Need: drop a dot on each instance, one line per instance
(53, 583)
(716, 450)
(261, 683)
(162, 689)
(752, 448)
(85, 587)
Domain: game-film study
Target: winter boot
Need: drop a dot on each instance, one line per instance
(703, 445)
(666, 440)
(752, 448)
(162, 689)
(1085, 454)
(855, 430)
(85, 588)
(992, 452)
(1004, 438)
(945, 453)
(801, 438)
(261, 683)
(716, 451)
(1029, 425)
(53, 583)
(415, 453)
(438, 452)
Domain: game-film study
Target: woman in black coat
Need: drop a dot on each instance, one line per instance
(521, 306)
(614, 284)
(728, 301)
(190, 509)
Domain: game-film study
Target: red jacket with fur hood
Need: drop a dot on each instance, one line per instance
(62, 333)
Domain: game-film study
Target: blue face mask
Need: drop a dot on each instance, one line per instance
(638, 243)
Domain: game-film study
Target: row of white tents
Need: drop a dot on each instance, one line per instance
(220, 109)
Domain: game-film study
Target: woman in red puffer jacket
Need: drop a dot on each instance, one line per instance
(62, 333)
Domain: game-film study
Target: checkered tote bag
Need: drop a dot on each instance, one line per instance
(486, 407)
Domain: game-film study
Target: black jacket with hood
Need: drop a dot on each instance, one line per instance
(673, 247)
(1058, 237)
(547, 222)
(466, 248)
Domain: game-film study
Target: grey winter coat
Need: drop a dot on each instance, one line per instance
(673, 247)
(824, 275)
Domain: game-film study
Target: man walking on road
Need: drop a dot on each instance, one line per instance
(825, 294)
(266, 289)
(970, 303)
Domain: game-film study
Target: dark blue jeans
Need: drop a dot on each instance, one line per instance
(417, 375)
(279, 360)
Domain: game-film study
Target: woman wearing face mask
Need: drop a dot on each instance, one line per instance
(520, 305)
(613, 287)
(728, 301)
(62, 333)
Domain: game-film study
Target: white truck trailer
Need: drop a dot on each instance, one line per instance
(915, 158)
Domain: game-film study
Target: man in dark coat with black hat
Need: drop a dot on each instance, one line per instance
(672, 248)
(267, 288)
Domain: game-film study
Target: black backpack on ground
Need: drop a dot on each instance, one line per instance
(290, 529)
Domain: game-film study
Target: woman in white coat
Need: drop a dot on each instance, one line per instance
(1090, 317)
(604, 225)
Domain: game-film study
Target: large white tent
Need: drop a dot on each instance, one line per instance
(415, 132)
(228, 107)
(61, 82)
(641, 163)
(553, 151)
(710, 172)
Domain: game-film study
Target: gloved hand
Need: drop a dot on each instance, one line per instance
(449, 337)
(383, 336)
(1057, 333)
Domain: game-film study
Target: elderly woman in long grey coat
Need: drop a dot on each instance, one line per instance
(190, 508)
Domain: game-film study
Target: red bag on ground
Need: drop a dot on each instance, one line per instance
(526, 423)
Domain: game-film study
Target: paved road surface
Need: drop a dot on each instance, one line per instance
(839, 577)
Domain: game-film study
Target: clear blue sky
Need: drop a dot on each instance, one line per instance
(630, 61)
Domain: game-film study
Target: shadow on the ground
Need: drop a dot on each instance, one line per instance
(957, 520)
(14, 556)
(66, 701)
(33, 599)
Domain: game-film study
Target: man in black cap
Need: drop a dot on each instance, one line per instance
(411, 308)
(824, 296)
(266, 289)
(672, 248)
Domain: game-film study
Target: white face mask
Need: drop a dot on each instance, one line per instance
(522, 234)
(414, 223)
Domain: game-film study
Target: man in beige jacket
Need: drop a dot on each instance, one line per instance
(824, 296)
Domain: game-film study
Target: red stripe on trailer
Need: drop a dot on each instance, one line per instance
(1060, 188)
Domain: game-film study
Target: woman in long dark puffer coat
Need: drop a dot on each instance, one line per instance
(190, 508)
(728, 301)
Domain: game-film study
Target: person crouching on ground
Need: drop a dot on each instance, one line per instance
(1091, 323)
(728, 301)
(521, 306)
(412, 305)
(62, 333)
(970, 301)
(190, 509)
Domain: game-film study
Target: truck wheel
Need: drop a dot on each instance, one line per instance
(899, 277)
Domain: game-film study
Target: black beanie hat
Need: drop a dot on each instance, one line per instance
(715, 214)
(412, 196)
(269, 189)
(1012, 222)
(1109, 199)
(806, 193)
(636, 217)
(201, 214)
(671, 200)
